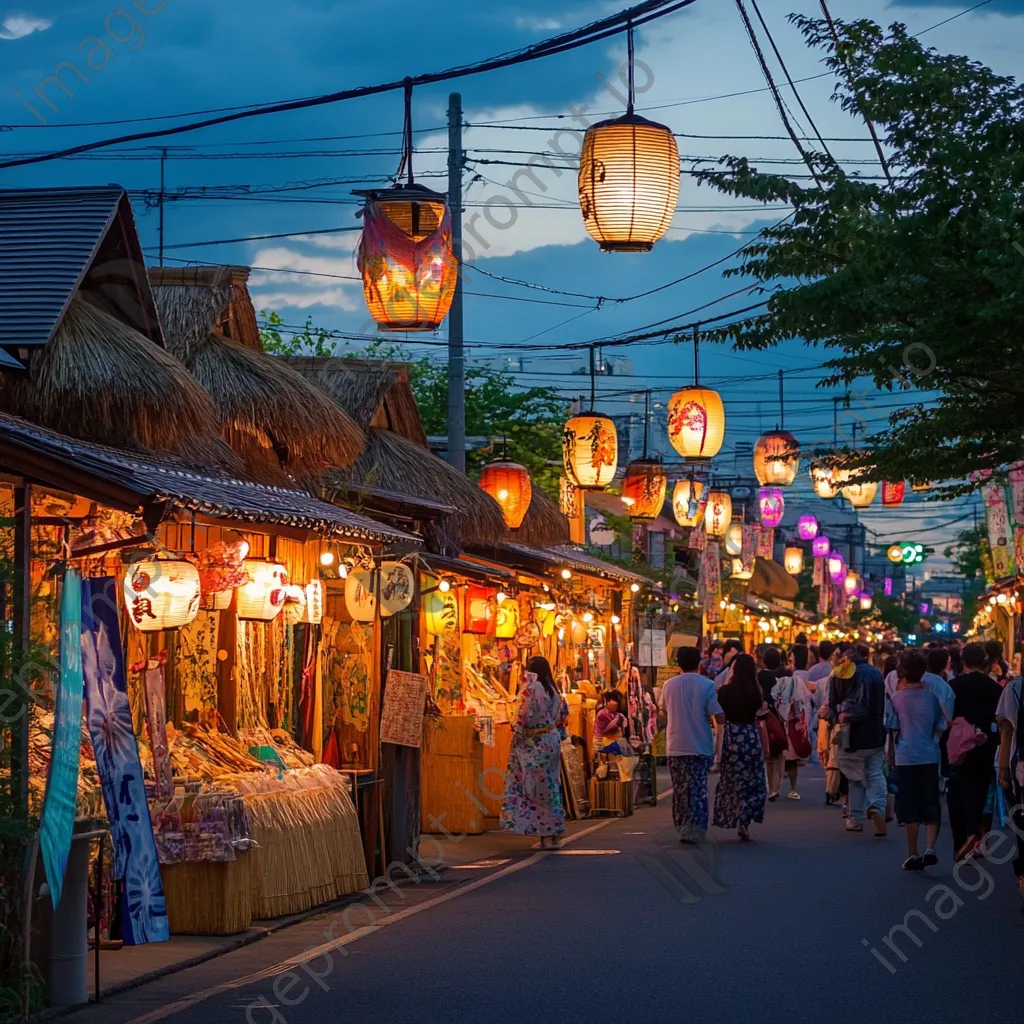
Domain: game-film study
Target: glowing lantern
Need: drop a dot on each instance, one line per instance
(508, 620)
(921, 488)
(852, 583)
(865, 601)
(161, 594)
(772, 506)
(734, 539)
(826, 480)
(696, 423)
(396, 587)
(361, 596)
(860, 495)
(892, 494)
(821, 546)
(405, 257)
(590, 450)
(776, 458)
(570, 498)
(718, 514)
(441, 612)
(628, 182)
(741, 571)
(687, 504)
(480, 608)
(643, 489)
(793, 561)
(262, 597)
(807, 527)
(509, 485)
(836, 568)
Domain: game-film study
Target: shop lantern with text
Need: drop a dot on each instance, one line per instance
(161, 594)
(851, 584)
(772, 506)
(860, 494)
(629, 178)
(262, 598)
(807, 527)
(590, 450)
(643, 489)
(734, 539)
(836, 568)
(718, 514)
(793, 561)
(893, 493)
(509, 485)
(821, 547)
(688, 502)
(776, 458)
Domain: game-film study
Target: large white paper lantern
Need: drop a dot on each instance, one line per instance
(161, 594)
(361, 595)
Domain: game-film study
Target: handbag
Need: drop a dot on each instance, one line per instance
(799, 741)
(777, 742)
(963, 738)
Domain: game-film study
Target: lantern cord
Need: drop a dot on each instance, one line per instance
(696, 355)
(593, 381)
(782, 404)
(631, 61)
(405, 163)
(647, 417)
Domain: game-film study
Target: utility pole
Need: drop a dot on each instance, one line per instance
(163, 182)
(456, 354)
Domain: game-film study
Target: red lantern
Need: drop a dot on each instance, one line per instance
(509, 485)
(643, 489)
(481, 609)
(892, 494)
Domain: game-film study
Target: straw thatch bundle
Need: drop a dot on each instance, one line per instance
(396, 464)
(544, 525)
(189, 312)
(99, 380)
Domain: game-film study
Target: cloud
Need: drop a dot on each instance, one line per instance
(294, 285)
(533, 23)
(17, 26)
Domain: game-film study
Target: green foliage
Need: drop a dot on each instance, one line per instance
(895, 615)
(312, 341)
(966, 552)
(915, 286)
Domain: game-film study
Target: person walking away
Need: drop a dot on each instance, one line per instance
(532, 805)
(997, 667)
(689, 703)
(937, 659)
(857, 706)
(742, 788)
(793, 700)
(977, 697)
(915, 717)
(767, 677)
(1010, 716)
(729, 652)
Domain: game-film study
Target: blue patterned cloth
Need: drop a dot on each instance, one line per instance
(690, 795)
(742, 786)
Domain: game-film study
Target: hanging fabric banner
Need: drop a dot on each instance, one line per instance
(143, 910)
(824, 593)
(156, 716)
(819, 571)
(766, 544)
(711, 571)
(1017, 492)
(698, 538)
(749, 552)
(998, 530)
(58, 820)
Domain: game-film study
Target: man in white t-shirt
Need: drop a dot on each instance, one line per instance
(690, 705)
(1011, 771)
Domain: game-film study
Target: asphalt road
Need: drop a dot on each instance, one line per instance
(626, 925)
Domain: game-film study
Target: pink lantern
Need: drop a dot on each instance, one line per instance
(888, 586)
(772, 505)
(837, 568)
(822, 547)
(807, 527)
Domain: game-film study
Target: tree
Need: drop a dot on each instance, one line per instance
(311, 341)
(913, 284)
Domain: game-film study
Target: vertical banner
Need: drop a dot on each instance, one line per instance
(998, 530)
(156, 716)
(766, 544)
(824, 593)
(58, 820)
(1017, 493)
(143, 911)
(698, 538)
(749, 552)
(819, 572)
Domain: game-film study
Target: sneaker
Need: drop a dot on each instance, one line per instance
(968, 849)
(772, 797)
(853, 826)
(913, 863)
(878, 820)
(930, 858)
(792, 795)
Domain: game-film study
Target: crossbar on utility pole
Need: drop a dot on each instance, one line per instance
(456, 353)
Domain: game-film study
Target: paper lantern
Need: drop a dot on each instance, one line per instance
(865, 602)
(696, 423)
(314, 612)
(776, 458)
(860, 494)
(893, 493)
(590, 450)
(687, 503)
(509, 485)
(161, 594)
(396, 587)
(793, 561)
(718, 514)
(361, 595)
(508, 620)
(480, 609)
(734, 539)
(836, 568)
(601, 534)
(821, 546)
(628, 182)
(826, 480)
(441, 613)
(741, 571)
(852, 583)
(772, 506)
(570, 498)
(262, 597)
(807, 527)
(405, 257)
(643, 489)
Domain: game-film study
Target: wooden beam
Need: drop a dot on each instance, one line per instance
(227, 678)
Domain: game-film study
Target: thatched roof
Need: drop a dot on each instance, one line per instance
(99, 380)
(396, 464)
(544, 525)
(373, 392)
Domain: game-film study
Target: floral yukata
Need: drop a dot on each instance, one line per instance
(533, 799)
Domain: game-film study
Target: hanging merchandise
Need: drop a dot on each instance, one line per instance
(734, 539)
(807, 527)
(396, 588)
(509, 485)
(776, 458)
(629, 178)
(821, 547)
(998, 520)
(314, 610)
(480, 609)
(643, 489)
(718, 514)
(262, 597)
(892, 493)
(361, 595)
(793, 561)
(772, 506)
(860, 494)
(161, 593)
(687, 503)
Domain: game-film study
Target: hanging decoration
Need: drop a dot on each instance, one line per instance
(687, 503)
(821, 546)
(361, 595)
(1017, 509)
(776, 458)
(734, 539)
(696, 416)
(860, 494)
(441, 612)
(509, 485)
(998, 521)
(718, 514)
(793, 561)
(643, 489)
(405, 254)
(921, 488)
(629, 178)
(836, 568)
(766, 544)
(601, 534)
(851, 584)
(826, 480)
(294, 604)
(570, 498)
(807, 527)
(865, 601)
(222, 570)
(314, 611)
(161, 593)
(892, 493)
(396, 588)
(508, 620)
(741, 570)
(262, 597)
(772, 505)
(590, 450)
(481, 605)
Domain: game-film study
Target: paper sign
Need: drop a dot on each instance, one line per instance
(652, 648)
(401, 720)
(998, 530)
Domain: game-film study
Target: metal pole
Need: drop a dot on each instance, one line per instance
(782, 404)
(456, 356)
(163, 178)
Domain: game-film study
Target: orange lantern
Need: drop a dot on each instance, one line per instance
(776, 458)
(406, 259)
(696, 422)
(892, 493)
(718, 514)
(590, 450)
(509, 485)
(793, 560)
(860, 494)
(686, 499)
(643, 489)
(826, 480)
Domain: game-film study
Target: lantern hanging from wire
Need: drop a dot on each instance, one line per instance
(643, 489)
(509, 485)
(590, 450)
(865, 601)
(405, 254)
(893, 493)
(771, 505)
(262, 597)
(161, 594)
(851, 584)
(696, 423)
(821, 547)
(776, 458)
(689, 502)
(734, 539)
(629, 178)
(836, 567)
(807, 527)
(793, 560)
(718, 514)
(827, 480)
(860, 494)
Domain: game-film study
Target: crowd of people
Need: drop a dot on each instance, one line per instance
(893, 727)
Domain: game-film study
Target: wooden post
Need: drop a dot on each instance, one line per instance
(22, 619)
(227, 680)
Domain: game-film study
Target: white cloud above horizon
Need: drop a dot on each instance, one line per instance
(18, 26)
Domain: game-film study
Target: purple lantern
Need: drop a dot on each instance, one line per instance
(772, 505)
(821, 547)
(837, 568)
(888, 586)
(807, 527)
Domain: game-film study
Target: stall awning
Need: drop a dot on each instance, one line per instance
(548, 559)
(766, 607)
(476, 571)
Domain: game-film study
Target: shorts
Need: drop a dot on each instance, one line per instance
(917, 794)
